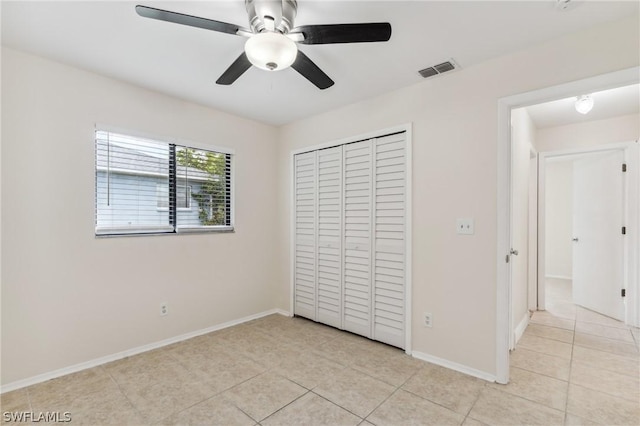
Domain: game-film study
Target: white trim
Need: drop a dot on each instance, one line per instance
(131, 352)
(407, 128)
(520, 328)
(632, 158)
(532, 234)
(558, 277)
(201, 229)
(542, 226)
(125, 230)
(408, 237)
(361, 137)
(163, 138)
(292, 233)
(503, 272)
(505, 105)
(454, 366)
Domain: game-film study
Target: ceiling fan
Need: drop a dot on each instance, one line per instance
(272, 39)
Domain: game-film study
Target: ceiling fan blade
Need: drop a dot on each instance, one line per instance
(311, 72)
(192, 21)
(344, 33)
(237, 68)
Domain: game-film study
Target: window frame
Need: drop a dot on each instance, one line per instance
(143, 230)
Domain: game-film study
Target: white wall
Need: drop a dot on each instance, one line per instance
(523, 142)
(559, 178)
(68, 297)
(454, 120)
(624, 128)
(559, 219)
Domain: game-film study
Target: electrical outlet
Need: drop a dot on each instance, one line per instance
(164, 309)
(428, 319)
(465, 226)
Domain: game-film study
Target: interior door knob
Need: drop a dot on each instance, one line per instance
(514, 252)
(575, 239)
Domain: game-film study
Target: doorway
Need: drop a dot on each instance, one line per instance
(505, 250)
(583, 209)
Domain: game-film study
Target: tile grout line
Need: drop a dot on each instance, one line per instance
(395, 391)
(474, 403)
(286, 405)
(135, 407)
(566, 401)
(339, 406)
(497, 389)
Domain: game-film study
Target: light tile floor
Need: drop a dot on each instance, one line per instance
(290, 371)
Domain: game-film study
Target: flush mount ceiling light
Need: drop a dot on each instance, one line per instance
(584, 104)
(271, 51)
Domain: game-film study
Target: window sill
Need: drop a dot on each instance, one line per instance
(180, 231)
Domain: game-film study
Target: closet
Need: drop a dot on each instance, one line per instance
(350, 237)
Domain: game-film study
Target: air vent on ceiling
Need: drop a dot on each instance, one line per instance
(438, 69)
(564, 4)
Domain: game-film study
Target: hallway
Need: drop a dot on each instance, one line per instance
(578, 361)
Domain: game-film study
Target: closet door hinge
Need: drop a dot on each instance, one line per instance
(624, 230)
(624, 167)
(623, 293)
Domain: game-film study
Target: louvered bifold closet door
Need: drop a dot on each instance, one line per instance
(357, 237)
(329, 236)
(305, 267)
(389, 240)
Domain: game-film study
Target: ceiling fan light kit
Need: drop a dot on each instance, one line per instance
(271, 51)
(272, 38)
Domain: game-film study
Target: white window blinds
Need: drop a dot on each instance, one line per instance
(147, 186)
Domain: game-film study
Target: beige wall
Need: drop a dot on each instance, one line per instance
(559, 219)
(625, 128)
(523, 141)
(454, 120)
(68, 297)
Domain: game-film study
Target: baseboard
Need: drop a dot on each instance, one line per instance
(520, 328)
(559, 277)
(454, 366)
(134, 351)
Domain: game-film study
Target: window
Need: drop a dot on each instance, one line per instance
(183, 196)
(145, 186)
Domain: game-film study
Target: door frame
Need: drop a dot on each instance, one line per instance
(407, 128)
(505, 105)
(629, 199)
(518, 325)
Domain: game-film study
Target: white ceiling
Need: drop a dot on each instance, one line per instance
(606, 104)
(110, 38)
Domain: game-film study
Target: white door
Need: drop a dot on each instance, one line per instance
(357, 237)
(329, 236)
(389, 240)
(597, 233)
(305, 235)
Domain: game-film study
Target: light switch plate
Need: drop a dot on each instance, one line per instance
(465, 226)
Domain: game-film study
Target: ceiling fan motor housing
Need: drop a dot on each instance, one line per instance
(283, 13)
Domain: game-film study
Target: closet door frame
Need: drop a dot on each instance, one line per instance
(407, 128)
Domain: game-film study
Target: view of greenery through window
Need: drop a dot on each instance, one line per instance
(211, 196)
(149, 186)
